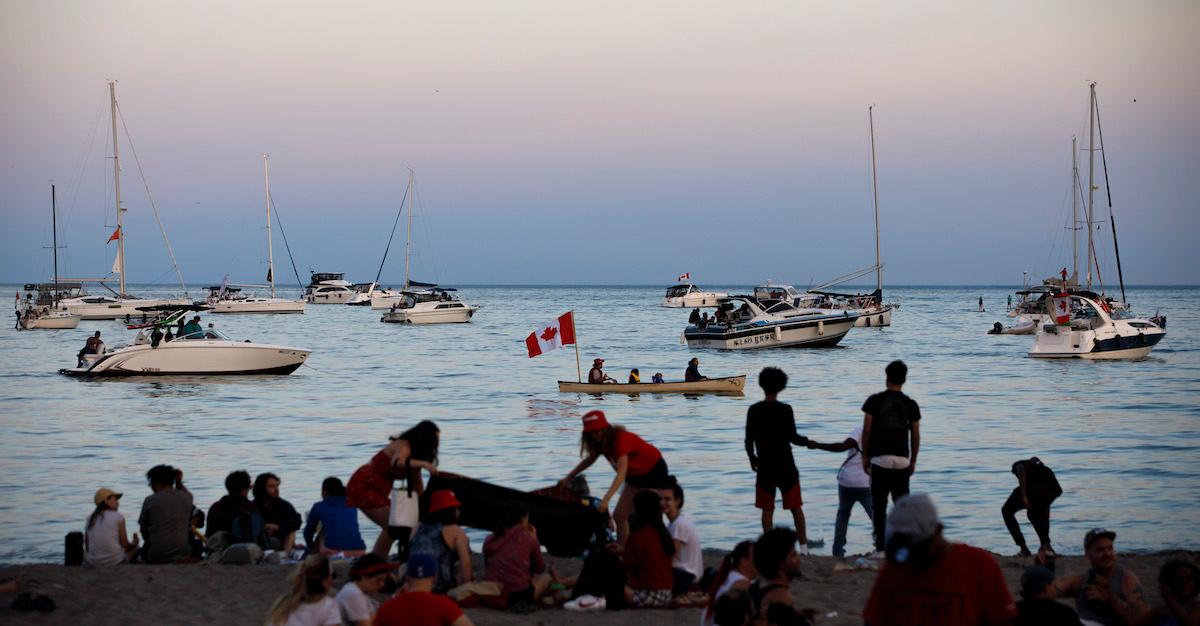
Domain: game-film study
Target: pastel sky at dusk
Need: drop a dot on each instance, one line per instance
(600, 142)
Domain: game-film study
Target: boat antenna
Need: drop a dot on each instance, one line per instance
(285, 241)
(395, 223)
(1112, 220)
(875, 195)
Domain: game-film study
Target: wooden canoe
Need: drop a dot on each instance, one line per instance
(729, 384)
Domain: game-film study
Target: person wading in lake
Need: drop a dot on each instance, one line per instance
(770, 435)
(890, 419)
(370, 488)
(1037, 488)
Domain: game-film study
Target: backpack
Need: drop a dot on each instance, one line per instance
(1040, 479)
(248, 527)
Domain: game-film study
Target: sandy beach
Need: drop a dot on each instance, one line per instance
(228, 594)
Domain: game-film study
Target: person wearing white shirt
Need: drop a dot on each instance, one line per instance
(854, 486)
(105, 541)
(688, 562)
(356, 600)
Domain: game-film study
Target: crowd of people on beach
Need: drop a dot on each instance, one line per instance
(653, 558)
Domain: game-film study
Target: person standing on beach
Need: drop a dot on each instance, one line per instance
(770, 435)
(638, 465)
(166, 517)
(1106, 593)
(370, 488)
(1037, 488)
(854, 486)
(890, 420)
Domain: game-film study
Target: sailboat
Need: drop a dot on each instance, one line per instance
(422, 303)
(42, 307)
(121, 303)
(871, 309)
(229, 299)
(1086, 325)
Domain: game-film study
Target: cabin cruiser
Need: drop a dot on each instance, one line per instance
(437, 305)
(229, 299)
(689, 296)
(1033, 305)
(204, 352)
(368, 294)
(748, 322)
(328, 288)
(870, 307)
(1090, 329)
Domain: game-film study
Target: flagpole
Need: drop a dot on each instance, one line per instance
(578, 368)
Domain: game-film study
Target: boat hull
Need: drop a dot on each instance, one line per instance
(699, 299)
(824, 331)
(1095, 345)
(193, 357)
(116, 309)
(52, 322)
(259, 305)
(729, 384)
(874, 317)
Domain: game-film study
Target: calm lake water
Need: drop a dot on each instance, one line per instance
(1122, 436)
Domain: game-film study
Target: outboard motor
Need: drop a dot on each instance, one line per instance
(996, 329)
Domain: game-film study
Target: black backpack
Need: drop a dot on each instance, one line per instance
(1041, 479)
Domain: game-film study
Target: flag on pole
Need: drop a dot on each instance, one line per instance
(269, 279)
(556, 334)
(115, 236)
(1062, 309)
(684, 276)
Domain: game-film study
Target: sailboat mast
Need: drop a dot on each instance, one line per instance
(1074, 212)
(54, 237)
(267, 202)
(1091, 178)
(120, 265)
(408, 242)
(875, 194)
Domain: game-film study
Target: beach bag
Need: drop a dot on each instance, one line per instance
(74, 548)
(404, 513)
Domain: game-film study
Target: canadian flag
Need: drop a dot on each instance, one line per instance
(556, 334)
(1062, 309)
(115, 236)
(685, 276)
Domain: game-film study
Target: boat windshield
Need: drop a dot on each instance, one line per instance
(208, 333)
(678, 291)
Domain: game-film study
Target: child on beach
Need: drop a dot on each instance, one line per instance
(308, 602)
(370, 488)
(648, 555)
(854, 486)
(770, 435)
(105, 540)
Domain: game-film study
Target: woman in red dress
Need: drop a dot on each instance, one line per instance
(370, 488)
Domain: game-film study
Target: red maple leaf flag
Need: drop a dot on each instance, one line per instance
(1062, 309)
(556, 334)
(684, 276)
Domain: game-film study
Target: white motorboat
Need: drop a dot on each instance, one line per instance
(328, 288)
(688, 296)
(121, 303)
(208, 352)
(769, 324)
(1094, 331)
(1022, 325)
(437, 305)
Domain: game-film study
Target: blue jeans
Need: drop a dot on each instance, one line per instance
(847, 497)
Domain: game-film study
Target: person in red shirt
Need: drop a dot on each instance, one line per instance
(514, 559)
(928, 581)
(418, 605)
(638, 465)
(648, 555)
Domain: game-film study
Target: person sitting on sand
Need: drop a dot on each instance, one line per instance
(657, 378)
(854, 486)
(638, 465)
(1038, 605)
(356, 599)
(308, 602)
(440, 536)
(1037, 488)
(370, 488)
(648, 553)
(105, 541)
(279, 516)
(1106, 593)
(596, 375)
(778, 563)
(166, 517)
(692, 374)
(688, 562)
(1177, 582)
(924, 574)
(337, 523)
(634, 376)
(233, 505)
(513, 557)
(417, 604)
(735, 573)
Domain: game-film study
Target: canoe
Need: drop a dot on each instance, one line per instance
(729, 384)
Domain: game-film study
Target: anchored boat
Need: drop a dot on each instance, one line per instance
(1095, 331)
(769, 324)
(205, 352)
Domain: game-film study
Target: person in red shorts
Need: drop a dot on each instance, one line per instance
(638, 464)
(928, 581)
(770, 435)
(419, 606)
(370, 487)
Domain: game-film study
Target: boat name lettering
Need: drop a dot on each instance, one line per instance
(753, 340)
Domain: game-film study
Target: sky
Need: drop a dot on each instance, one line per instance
(599, 142)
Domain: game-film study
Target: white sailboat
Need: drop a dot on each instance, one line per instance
(422, 303)
(42, 307)
(231, 301)
(121, 303)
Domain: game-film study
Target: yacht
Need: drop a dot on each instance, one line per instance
(688, 296)
(1089, 329)
(40, 308)
(438, 305)
(747, 322)
(870, 308)
(328, 288)
(207, 352)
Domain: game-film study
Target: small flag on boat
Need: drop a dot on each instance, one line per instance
(556, 334)
(116, 235)
(685, 276)
(269, 279)
(1062, 309)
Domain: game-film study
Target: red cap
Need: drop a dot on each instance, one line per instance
(442, 499)
(593, 421)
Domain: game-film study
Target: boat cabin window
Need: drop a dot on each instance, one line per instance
(779, 308)
(678, 291)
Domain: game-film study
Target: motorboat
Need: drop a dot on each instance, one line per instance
(689, 296)
(1089, 329)
(1022, 325)
(328, 288)
(727, 384)
(206, 352)
(437, 305)
(769, 324)
(870, 308)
